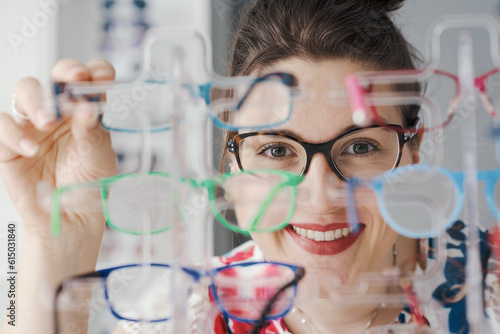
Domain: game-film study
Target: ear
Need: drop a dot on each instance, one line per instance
(415, 156)
(230, 165)
(416, 149)
(228, 195)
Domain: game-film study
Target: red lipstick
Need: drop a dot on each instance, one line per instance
(324, 247)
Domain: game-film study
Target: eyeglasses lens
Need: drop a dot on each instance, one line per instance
(150, 210)
(245, 290)
(370, 151)
(255, 201)
(268, 102)
(406, 203)
(141, 293)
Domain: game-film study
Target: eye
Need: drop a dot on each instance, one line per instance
(276, 151)
(360, 148)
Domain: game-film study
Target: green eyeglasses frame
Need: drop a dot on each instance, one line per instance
(289, 180)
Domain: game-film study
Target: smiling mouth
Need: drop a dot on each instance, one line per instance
(331, 235)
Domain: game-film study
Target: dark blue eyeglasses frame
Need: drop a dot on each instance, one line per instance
(197, 275)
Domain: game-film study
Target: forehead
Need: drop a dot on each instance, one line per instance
(321, 110)
(317, 76)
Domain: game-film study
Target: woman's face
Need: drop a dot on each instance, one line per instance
(319, 118)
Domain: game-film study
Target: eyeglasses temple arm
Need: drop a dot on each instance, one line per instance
(480, 83)
(299, 274)
(259, 80)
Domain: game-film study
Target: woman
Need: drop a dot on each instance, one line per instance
(319, 42)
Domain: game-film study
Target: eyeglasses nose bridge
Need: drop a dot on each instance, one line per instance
(326, 150)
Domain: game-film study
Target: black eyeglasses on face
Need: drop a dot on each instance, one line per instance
(367, 151)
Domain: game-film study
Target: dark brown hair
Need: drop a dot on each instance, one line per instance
(357, 30)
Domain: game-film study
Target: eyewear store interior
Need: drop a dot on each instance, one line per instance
(334, 171)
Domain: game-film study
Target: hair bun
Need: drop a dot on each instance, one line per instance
(383, 5)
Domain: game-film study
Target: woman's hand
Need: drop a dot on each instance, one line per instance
(57, 152)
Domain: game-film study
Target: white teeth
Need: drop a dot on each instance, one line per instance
(319, 236)
(338, 233)
(323, 236)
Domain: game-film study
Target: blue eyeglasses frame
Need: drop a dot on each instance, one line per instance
(201, 91)
(197, 275)
(490, 177)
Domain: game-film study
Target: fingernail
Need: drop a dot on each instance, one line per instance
(102, 72)
(44, 117)
(29, 147)
(76, 72)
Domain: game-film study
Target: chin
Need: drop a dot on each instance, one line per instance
(324, 283)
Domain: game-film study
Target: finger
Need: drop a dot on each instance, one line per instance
(67, 70)
(101, 70)
(23, 101)
(70, 70)
(30, 99)
(15, 140)
(84, 121)
(29, 102)
(93, 142)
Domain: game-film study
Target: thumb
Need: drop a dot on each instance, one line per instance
(92, 142)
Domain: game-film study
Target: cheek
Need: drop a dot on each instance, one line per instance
(378, 236)
(257, 206)
(385, 238)
(370, 215)
(366, 202)
(269, 244)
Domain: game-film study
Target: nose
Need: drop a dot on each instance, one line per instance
(324, 189)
